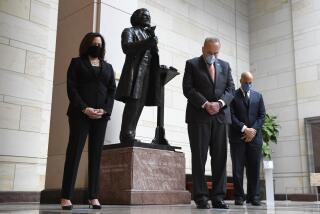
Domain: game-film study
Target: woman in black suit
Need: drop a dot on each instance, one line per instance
(91, 88)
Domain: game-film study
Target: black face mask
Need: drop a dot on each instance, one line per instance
(94, 51)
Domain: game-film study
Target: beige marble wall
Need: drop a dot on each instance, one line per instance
(272, 62)
(27, 46)
(284, 58)
(306, 31)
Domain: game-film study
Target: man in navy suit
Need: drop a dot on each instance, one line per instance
(247, 114)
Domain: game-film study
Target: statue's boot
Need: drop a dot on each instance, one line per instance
(129, 138)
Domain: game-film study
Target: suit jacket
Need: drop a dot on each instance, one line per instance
(87, 89)
(252, 116)
(140, 58)
(198, 88)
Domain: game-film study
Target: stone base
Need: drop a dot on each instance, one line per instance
(135, 175)
(19, 196)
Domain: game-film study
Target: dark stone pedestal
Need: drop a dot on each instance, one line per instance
(137, 175)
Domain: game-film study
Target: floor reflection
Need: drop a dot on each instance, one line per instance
(281, 207)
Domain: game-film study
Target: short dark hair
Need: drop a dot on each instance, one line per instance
(134, 19)
(87, 42)
(211, 39)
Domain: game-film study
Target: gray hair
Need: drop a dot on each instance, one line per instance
(211, 39)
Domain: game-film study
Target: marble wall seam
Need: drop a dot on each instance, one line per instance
(291, 173)
(116, 8)
(21, 159)
(300, 31)
(40, 49)
(23, 45)
(25, 102)
(295, 76)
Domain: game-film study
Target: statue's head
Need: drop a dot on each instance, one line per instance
(141, 17)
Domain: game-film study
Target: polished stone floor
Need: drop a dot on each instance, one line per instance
(281, 207)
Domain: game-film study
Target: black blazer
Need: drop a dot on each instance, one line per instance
(198, 88)
(254, 114)
(86, 89)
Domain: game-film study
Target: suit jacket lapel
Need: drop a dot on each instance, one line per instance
(103, 67)
(240, 94)
(140, 34)
(252, 96)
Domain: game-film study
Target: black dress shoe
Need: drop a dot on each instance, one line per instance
(238, 201)
(220, 205)
(203, 205)
(67, 207)
(255, 202)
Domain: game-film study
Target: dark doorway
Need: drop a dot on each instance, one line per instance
(312, 126)
(315, 130)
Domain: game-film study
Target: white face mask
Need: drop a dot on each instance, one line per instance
(210, 59)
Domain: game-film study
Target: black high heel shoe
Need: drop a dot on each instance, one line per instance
(94, 206)
(66, 207)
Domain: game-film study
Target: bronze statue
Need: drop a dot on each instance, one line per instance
(139, 84)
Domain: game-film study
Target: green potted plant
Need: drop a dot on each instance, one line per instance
(270, 132)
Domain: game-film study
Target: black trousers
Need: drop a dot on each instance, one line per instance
(246, 155)
(212, 136)
(80, 128)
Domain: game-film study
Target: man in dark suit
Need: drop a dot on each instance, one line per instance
(247, 113)
(209, 88)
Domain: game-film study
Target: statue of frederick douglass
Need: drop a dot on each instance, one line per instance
(139, 84)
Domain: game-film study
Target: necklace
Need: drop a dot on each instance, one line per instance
(95, 62)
